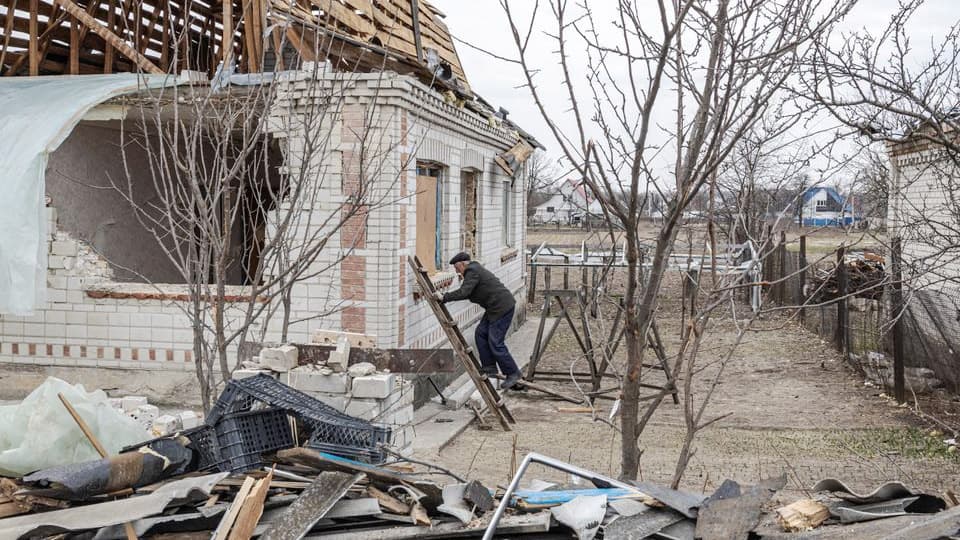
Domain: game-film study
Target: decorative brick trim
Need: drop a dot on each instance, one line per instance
(23, 352)
(174, 297)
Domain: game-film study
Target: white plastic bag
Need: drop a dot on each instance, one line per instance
(39, 432)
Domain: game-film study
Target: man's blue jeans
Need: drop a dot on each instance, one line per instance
(491, 347)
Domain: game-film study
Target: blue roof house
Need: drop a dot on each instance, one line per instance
(825, 207)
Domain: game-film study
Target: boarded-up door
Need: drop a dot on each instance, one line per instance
(427, 221)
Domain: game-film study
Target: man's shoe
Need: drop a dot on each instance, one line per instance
(511, 381)
(489, 372)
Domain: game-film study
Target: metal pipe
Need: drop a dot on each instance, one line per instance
(534, 457)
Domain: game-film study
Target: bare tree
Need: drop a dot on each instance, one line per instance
(540, 174)
(906, 97)
(688, 85)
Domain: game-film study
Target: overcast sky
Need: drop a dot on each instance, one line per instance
(483, 23)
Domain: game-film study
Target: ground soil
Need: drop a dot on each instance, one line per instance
(793, 406)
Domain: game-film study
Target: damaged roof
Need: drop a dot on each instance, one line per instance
(56, 37)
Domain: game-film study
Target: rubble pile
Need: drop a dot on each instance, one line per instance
(272, 462)
(865, 278)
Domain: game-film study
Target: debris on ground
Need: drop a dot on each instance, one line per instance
(865, 275)
(275, 463)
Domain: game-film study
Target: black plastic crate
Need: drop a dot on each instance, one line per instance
(243, 437)
(330, 430)
(203, 441)
(241, 395)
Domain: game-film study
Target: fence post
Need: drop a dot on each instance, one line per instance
(782, 265)
(897, 311)
(546, 285)
(802, 262)
(533, 282)
(840, 334)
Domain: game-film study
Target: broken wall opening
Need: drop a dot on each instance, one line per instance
(104, 169)
(469, 204)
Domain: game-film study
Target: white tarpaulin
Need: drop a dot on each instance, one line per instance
(36, 115)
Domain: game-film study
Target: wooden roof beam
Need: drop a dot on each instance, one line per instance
(121, 46)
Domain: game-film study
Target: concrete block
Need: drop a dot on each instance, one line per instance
(279, 359)
(239, 374)
(364, 409)
(311, 379)
(337, 401)
(331, 337)
(164, 425)
(400, 417)
(377, 386)
(189, 419)
(339, 359)
(403, 437)
(130, 403)
(146, 413)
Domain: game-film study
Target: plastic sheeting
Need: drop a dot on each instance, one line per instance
(36, 115)
(39, 432)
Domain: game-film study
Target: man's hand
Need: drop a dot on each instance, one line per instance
(438, 296)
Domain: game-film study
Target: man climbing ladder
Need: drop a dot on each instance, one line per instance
(482, 287)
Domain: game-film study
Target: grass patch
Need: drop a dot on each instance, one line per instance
(909, 442)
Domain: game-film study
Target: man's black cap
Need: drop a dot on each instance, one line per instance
(460, 257)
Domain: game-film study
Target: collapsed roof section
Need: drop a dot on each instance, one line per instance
(56, 37)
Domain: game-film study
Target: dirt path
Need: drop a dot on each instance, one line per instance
(793, 407)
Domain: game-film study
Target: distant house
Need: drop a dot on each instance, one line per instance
(825, 207)
(568, 205)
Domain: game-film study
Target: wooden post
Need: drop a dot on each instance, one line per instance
(32, 48)
(802, 261)
(226, 40)
(546, 285)
(897, 311)
(841, 329)
(532, 291)
(782, 266)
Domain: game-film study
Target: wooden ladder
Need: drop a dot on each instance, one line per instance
(461, 349)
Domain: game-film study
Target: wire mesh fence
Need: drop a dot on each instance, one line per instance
(850, 299)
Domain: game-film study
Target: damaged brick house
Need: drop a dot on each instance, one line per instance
(924, 213)
(446, 178)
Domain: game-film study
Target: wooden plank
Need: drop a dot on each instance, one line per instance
(74, 47)
(295, 39)
(335, 10)
(34, 53)
(8, 29)
(388, 502)
(83, 426)
(226, 41)
(230, 516)
(111, 38)
(379, 475)
(802, 515)
(251, 510)
(426, 215)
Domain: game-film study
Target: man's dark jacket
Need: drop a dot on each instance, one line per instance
(480, 286)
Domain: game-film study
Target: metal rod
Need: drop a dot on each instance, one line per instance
(534, 457)
(443, 400)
